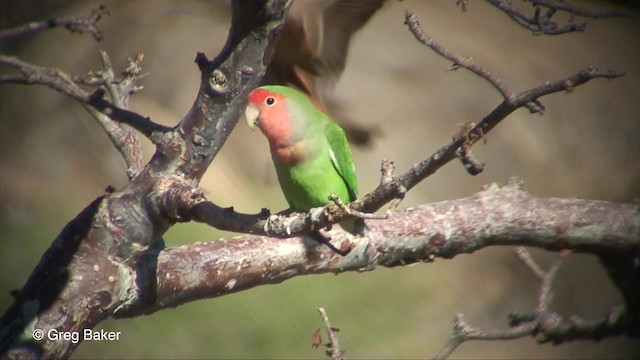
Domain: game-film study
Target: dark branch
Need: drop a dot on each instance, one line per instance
(105, 264)
(580, 11)
(120, 90)
(81, 25)
(541, 21)
(64, 83)
(545, 325)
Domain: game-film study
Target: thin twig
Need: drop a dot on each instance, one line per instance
(542, 323)
(62, 82)
(81, 25)
(119, 90)
(414, 25)
(333, 347)
(464, 332)
(580, 11)
(541, 24)
(525, 256)
(351, 211)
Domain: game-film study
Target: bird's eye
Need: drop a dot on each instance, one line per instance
(270, 100)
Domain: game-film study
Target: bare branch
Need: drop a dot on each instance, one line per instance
(81, 25)
(542, 323)
(63, 82)
(580, 11)
(412, 22)
(494, 216)
(526, 258)
(109, 253)
(333, 347)
(463, 332)
(544, 10)
(120, 90)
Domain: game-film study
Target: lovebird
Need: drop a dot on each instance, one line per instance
(309, 150)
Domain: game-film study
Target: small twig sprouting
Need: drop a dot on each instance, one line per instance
(351, 211)
(333, 347)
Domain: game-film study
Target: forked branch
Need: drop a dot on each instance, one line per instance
(542, 22)
(542, 323)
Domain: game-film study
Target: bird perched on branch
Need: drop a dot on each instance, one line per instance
(313, 47)
(309, 150)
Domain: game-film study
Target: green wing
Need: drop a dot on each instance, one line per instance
(341, 156)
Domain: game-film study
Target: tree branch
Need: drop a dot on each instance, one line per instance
(190, 204)
(81, 25)
(120, 90)
(494, 216)
(545, 325)
(541, 24)
(333, 347)
(104, 262)
(64, 83)
(111, 261)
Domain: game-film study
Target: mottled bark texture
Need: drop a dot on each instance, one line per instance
(104, 262)
(494, 216)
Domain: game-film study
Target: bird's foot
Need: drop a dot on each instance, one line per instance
(325, 240)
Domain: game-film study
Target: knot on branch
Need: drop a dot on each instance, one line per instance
(173, 198)
(219, 82)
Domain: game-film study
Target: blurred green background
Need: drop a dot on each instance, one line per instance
(54, 159)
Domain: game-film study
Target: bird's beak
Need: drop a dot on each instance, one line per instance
(251, 114)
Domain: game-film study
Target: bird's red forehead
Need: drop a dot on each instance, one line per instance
(258, 96)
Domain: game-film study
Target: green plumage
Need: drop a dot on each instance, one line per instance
(327, 166)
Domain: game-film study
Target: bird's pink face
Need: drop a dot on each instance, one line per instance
(268, 111)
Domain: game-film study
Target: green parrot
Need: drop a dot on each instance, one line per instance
(309, 150)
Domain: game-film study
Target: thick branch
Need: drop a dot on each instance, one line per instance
(495, 216)
(104, 263)
(226, 83)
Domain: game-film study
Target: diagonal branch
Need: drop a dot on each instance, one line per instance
(63, 82)
(190, 204)
(580, 11)
(414, 26)
(120, 90)
(81, 25)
